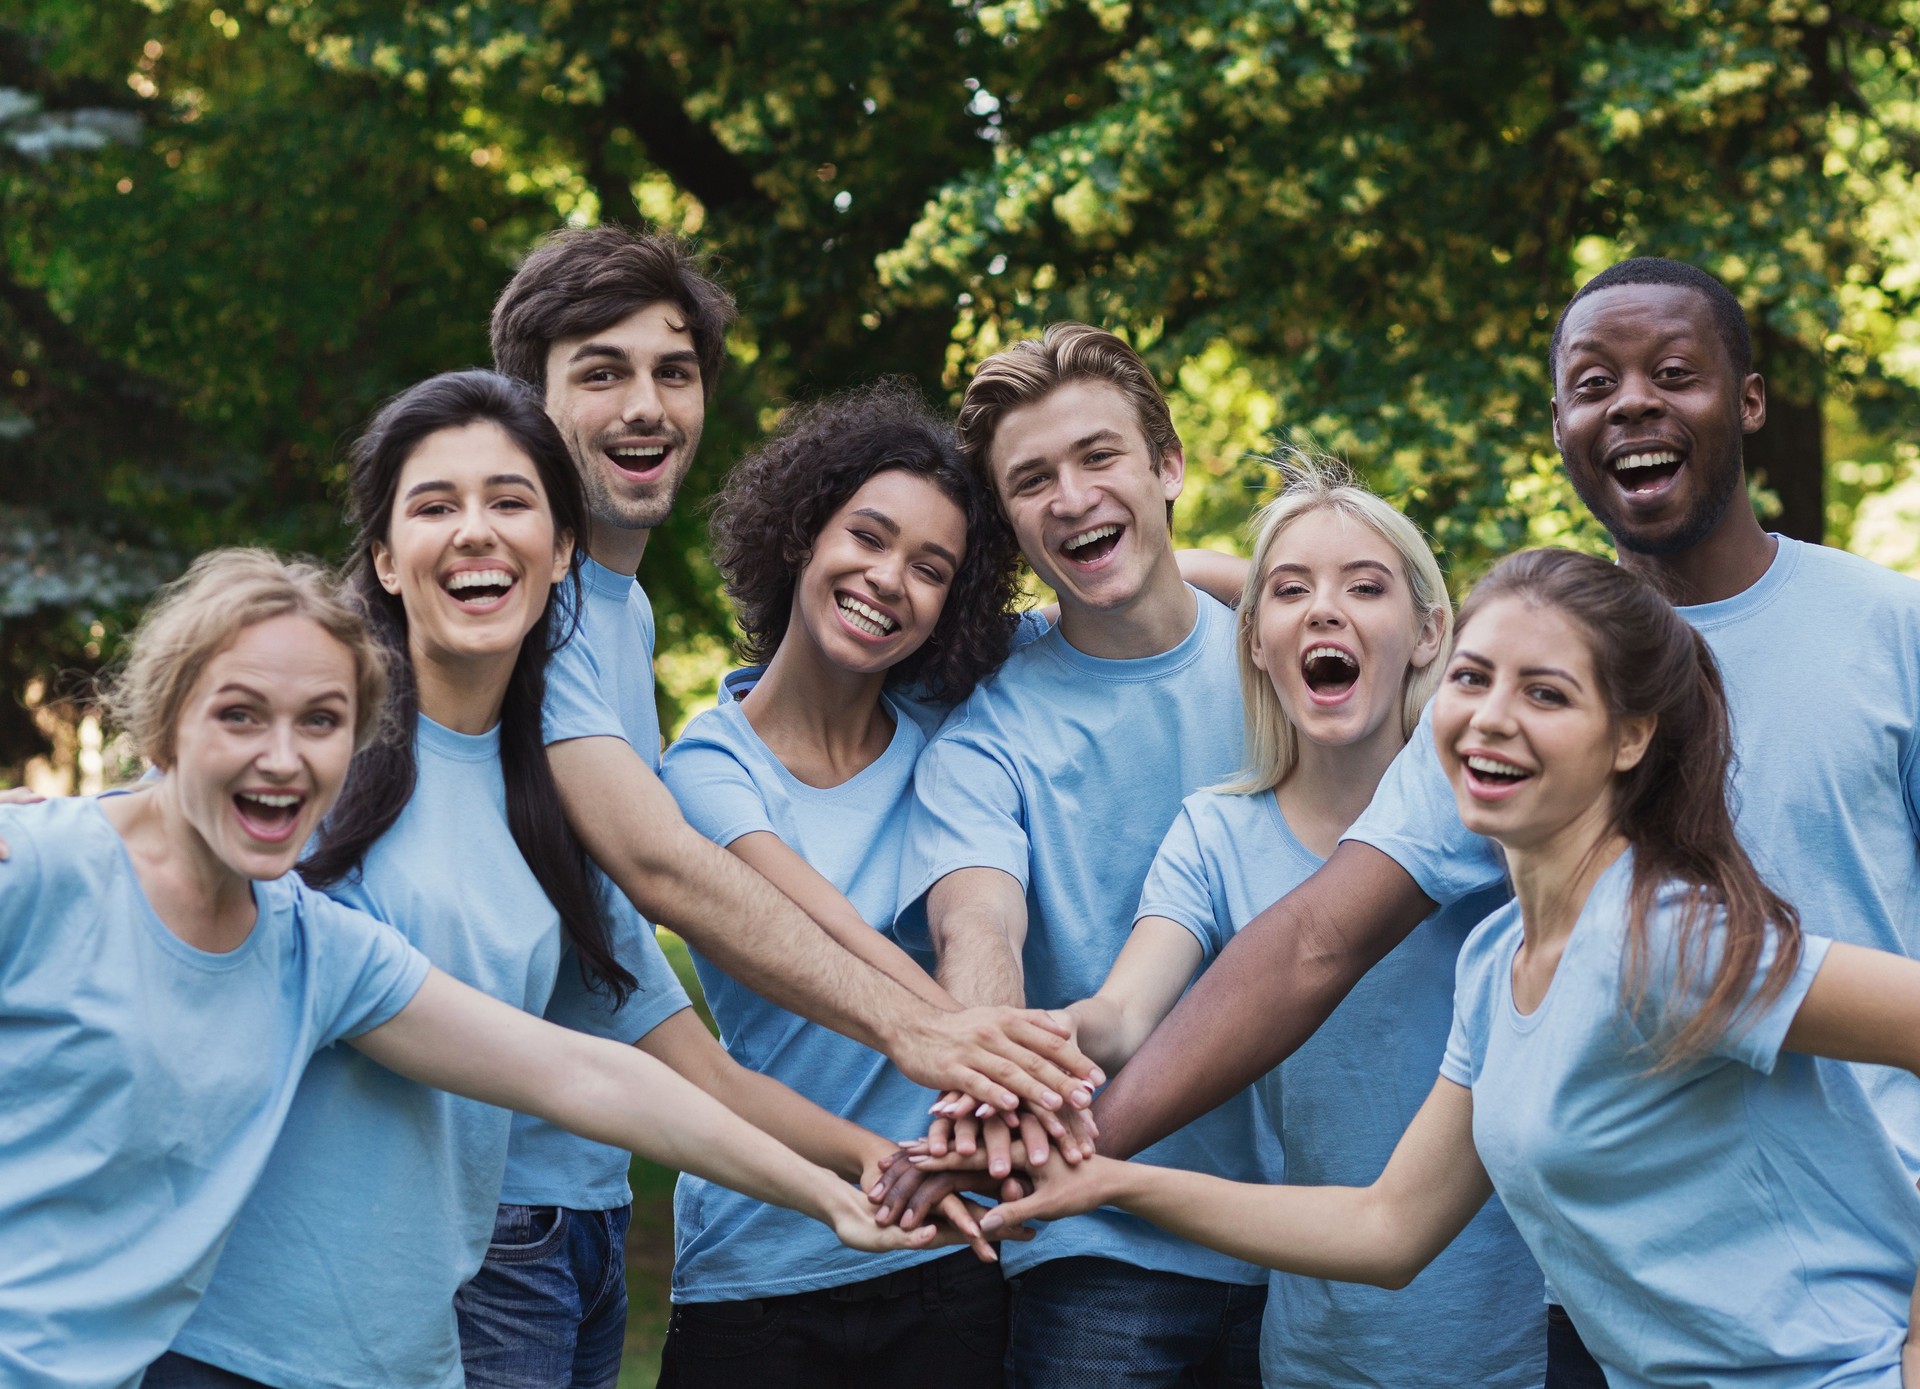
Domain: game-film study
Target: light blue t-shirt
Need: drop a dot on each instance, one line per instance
(143, 1086)
(378, 1201)
(1826, 789)
(600, 682)
(727, 1246)
(1064, 771)
(1741, 1219)
(1340, 1104)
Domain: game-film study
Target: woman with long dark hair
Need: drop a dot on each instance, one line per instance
(1646, 1059)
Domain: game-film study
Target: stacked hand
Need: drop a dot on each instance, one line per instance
(1042, 1190)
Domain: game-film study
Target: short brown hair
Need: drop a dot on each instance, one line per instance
(201, 613)
(1035, 368)
(583, 279)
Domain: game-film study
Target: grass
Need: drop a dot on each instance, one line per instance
(650, 1238)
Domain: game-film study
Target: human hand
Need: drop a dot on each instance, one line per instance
(851, 1218)
(1059, 1189)
(909, 1197)
(998, 1057)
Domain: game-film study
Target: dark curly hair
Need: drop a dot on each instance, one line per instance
(777, 500)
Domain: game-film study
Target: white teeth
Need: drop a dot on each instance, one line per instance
(1088, 537)
(640, 451)
(479, 578)
(1495, 766)
(271, 802)
(869, 620)
(1645, 460)
(1315, 652)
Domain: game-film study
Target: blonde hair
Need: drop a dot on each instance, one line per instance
(201, 613)
(1064, 353)
(1315, 482)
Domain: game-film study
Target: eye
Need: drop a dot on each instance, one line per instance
(1028, 483)
(1593, 381)
(513, 502)
(238, 715)
(1467, 678)
(433, 508)
(1547, 695)
(933, 574)
(1289, 588)
(1673, 375)
(675, 372)
(600, 376)
(1371, 588)
(1101, 457)
(324, 720)
(868, 539)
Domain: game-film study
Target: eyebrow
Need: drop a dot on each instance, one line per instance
(613, 351)
(1461, 653)
(892, 527)
(237, 687)
(442, 485)
(1347, 568)
(1080, 445)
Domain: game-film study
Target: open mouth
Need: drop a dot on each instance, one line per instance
(1330, 671)
(479, 589)
(268, 815)
(639, 459)
(1649, 470)
(1493, 775)
(863, 617)
(1091, 545)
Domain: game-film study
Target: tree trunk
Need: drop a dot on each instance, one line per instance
(1789, 454)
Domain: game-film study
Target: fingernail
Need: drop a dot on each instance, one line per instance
(1009, 1101)
(1049, 1099)
(918, 1158)
(1082, 1098)
(1098, 1077)
(983, 1111)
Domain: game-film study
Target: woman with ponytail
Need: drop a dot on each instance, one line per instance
(1646, 1054)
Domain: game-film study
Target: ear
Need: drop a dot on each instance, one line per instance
(1255, 651)
(1631, 742)
(1173, 472)
(1553, 408)
(1753, 403)
(562, 555)
(1427, 645)
(383, 569)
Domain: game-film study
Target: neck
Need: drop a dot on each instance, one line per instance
(1329, 786)
(1729, 561)
(1552, 879)
(201, 900)
(1156, 619)
(464, 695)
(814, 715)
(619, 550)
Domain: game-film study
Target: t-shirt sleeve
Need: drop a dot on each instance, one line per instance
(1414, 821)
(366, 971)
(1457, 1063)
(574, 706)
(1756, 1036)
(715, 792)
(657, 993)
(1179, 888)
(967, 812)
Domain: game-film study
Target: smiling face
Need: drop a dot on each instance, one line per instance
(629, 402)
(471, 549)
(1087, 504)
(1522, 726)
(1336, 629)
(1648, 415)
(262, 743)
(876, 581)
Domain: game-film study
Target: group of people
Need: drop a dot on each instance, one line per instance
(1528, 998)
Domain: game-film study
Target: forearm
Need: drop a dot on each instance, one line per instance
(1101, 1027)
(1277, 980)
(821, 1137)
(1336, 1232)
(977, 919)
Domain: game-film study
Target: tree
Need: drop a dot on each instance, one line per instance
(1352, 217)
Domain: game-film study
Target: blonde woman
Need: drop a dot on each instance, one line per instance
(1344, 627)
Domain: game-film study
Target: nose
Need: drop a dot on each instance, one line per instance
(1325, 614)
(474, 530)
(280, 755)
(641, 405)
(1636, 400)
(886, 571)
(1073, 494)
(1493, 711)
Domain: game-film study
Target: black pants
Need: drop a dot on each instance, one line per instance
(937, 1325)
(1570, 1365)
(172, 1371)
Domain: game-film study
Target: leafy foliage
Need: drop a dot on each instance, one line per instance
(227, 232)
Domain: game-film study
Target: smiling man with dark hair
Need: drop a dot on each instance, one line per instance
(1652, 398)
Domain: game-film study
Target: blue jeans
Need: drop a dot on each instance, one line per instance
(1086, 1323)
(548, 1308)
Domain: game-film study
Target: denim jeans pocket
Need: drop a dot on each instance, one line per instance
(522, 1233)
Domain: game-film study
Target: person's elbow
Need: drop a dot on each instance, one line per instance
(1395, 1248)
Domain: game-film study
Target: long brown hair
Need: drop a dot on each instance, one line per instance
(1672, 805)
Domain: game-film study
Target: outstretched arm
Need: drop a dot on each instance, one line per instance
(1276, 981)
(633, 829)
(1382, 1234)
(1145, 982)
(456, 1038)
